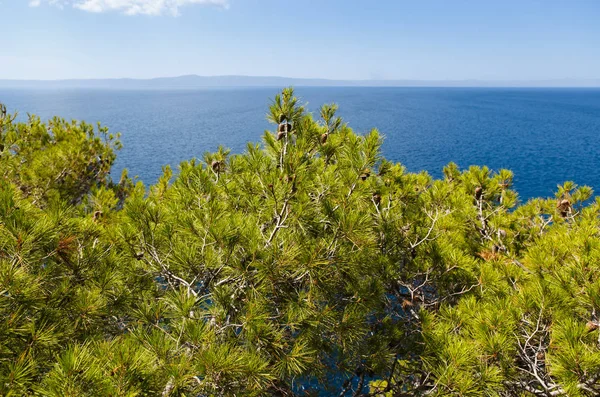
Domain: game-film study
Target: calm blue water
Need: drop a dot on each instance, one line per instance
(546, 136)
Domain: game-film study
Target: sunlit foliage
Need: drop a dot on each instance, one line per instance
(308, 265)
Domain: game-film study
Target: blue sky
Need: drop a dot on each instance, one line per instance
(385, 39)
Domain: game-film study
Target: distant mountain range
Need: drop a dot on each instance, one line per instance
(196, 82)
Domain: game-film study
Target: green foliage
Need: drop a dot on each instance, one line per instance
(308, 265)
(55, 160)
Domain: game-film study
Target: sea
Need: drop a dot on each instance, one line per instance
(546, 136)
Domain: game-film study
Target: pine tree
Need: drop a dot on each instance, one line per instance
(308, 265)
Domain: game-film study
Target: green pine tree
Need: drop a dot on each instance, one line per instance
(307, 265)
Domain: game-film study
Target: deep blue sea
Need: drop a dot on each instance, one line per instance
(545, 136)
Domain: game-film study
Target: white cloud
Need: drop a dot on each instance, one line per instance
(131, 7)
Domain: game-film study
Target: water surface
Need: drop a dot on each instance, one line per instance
(545, 136)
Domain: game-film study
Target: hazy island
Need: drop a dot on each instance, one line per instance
(191, 82)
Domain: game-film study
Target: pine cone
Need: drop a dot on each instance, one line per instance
(563, 207)
(376, 198)
(591, 326)
(365, 174)
(478, 192)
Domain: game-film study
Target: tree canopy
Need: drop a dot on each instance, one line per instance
(308, 265)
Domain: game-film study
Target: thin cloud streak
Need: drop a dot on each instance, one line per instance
(131, 7)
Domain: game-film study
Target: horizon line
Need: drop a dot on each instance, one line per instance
(302, 78)
(194, 81)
